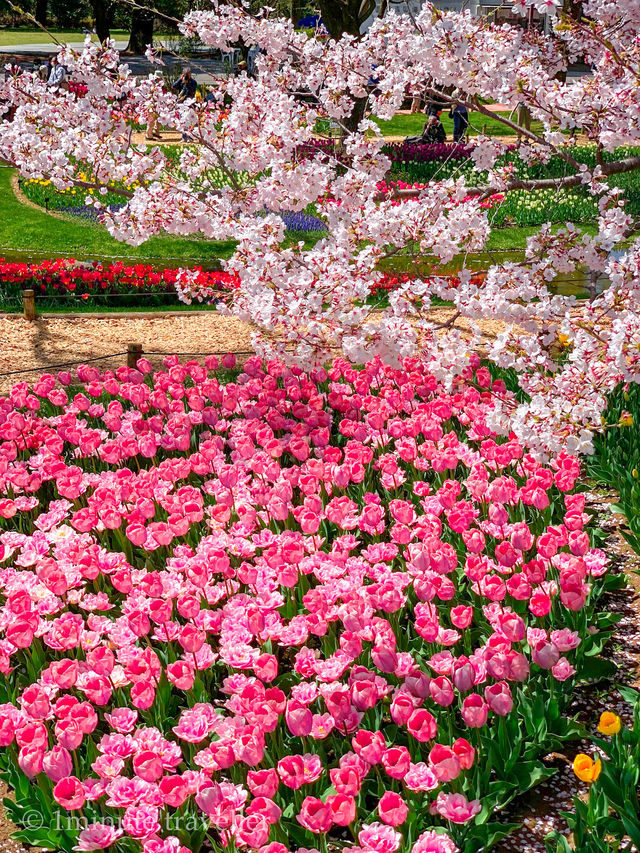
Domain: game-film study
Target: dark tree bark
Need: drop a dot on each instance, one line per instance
(296, 11)
(41, 12)
(103, 15)
(345, 16)
(141, 35)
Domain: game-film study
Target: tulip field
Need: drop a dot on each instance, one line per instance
(320, 448)
(326, 610)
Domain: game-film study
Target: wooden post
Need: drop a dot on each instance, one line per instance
(29, 304)
(134, 352)
(484, 129)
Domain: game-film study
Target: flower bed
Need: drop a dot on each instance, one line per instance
(101, 283)
(389, 188)
(285, 612)
(398, 152)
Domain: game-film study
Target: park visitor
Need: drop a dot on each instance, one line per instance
(433, 133)
(460, 117)
(56, 74)
(185, 86)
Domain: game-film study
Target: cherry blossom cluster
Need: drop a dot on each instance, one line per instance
(297, 605)
(315, 299)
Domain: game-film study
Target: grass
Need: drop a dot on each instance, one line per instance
(403, 124)
(44, 306)
(10, 37)
(27, 232)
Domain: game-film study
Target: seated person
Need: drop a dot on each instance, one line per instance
(432, 133)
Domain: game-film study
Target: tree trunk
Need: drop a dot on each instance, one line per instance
(345, 16)
(41, 12)
(141, 35)
(296, 11)
(103, 12)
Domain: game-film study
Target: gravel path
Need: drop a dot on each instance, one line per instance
(48, 341)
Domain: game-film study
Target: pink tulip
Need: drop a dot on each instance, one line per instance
(253, 830)
(263, 783)
(422, 725)
(474, 711)
(396, 761)
(433, 842)
(141, 821)
(455, 807)
(441, 691)
(346, 780)
(299, 721)
(142, 695)
(545, 654)
(444, 762)
(97, 836)
(499, 699)
(369, 745)
(343, 809)
(69, 793)
(392, 809)
(315, 815)
(378, 838)
(57, 763)
(148, 766)
(464, 752)
(30, 760)
(174, 790)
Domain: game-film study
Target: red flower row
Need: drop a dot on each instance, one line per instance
(66, 275)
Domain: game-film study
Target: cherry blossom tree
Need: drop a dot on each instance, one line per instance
(308, 303)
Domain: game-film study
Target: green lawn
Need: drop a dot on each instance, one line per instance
(30, 36)
(33, 234)
(403, 124)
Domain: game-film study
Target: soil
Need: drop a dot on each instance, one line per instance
(40, 345)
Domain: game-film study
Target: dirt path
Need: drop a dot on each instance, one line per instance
(49, 341)
(540, 809)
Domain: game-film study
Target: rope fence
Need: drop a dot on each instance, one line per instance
(134, 353)
(29, 296)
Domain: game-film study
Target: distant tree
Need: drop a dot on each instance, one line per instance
(40, 12)
(345, 16)
(69, 13)
(103, 13)
(141, 33)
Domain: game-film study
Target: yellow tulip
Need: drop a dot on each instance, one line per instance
(585, 768)
(626, 420)
(609, 723)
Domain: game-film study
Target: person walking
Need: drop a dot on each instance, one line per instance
(416, 100)
(186, 87)
(460, 116)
